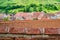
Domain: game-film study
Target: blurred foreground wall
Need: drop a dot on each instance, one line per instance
(30, 30)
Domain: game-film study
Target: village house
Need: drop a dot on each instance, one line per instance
(57, 15)
(52, 16)
(2, 16)
(29, 16)
(23, 16)
(45, 17)
(35, 14)
(41, 15)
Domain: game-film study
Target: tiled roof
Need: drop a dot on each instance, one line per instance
(30, 16)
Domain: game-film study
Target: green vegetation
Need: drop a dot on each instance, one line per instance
(14, 6)
(6, 19)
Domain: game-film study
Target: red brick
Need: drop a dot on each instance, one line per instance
(21, 38)
(3, 29)
(6, 38)
(58, 30)
(33, 31)
(16, 30)
(34, 38)
(51, 30)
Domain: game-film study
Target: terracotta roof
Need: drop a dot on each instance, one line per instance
(21, 14)
(36, 14)
(45, 17)
(33, 23)
(30, 16)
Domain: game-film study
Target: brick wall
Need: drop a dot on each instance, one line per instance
(30, 27)
(21, 30)
(7, 38)
(32, 23)
(24, 38)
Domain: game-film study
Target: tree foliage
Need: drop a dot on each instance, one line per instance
(51, 7)
(28, 8)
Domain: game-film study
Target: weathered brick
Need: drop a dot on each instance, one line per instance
(58, 30)
(16, 30)
(33, 31)
(21, 38)
(34, 39)
(6, 38)
(3, 29)
(51, 30)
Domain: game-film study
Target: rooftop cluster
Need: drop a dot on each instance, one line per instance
(30, 16)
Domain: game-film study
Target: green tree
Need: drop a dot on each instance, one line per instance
(51, 7)
(31, 8)
(40, 8)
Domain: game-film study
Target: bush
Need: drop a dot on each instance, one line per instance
(28, 8)
(6, 19)
(51, 7)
